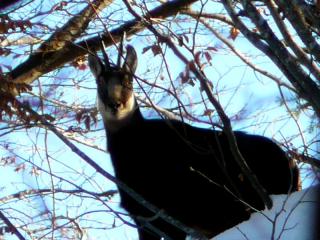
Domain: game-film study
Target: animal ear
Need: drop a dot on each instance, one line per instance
(131, 61)
(95, 65)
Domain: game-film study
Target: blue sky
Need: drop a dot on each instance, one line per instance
(238, 88)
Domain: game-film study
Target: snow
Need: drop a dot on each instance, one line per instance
(291, 218)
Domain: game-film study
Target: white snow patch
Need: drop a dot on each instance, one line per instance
(291, 218)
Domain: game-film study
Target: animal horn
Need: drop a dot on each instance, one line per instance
(123, 37)
(104, 54)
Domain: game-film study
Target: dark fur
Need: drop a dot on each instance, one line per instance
(154, 158)
(186, 170)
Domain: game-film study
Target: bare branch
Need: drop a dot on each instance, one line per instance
(304, 85)
(11, 227)
(37, 65)
(294, 14)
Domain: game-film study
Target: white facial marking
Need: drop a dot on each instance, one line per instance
(114, 121)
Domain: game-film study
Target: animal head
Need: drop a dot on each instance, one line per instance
(115, 87)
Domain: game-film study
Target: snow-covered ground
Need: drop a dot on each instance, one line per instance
(291, 218)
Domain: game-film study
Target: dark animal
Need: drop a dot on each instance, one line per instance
(186, 171)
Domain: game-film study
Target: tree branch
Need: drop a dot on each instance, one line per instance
(11, 227)
(39, 64)
(296, 17)
(302, 56)
(60, 41)
(304, 85)
(32, 192)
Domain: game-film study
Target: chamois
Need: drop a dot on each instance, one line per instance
(187, 171)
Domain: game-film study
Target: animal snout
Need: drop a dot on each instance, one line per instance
(114, 107)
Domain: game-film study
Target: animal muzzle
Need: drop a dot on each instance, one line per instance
(114, 107)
